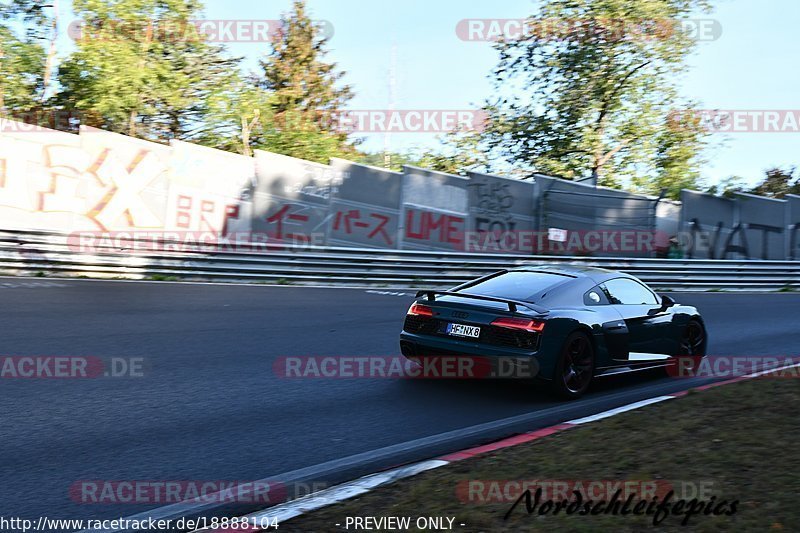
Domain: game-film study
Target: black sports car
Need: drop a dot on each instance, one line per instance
(577, 322)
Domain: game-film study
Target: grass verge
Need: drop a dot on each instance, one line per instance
(735, 442)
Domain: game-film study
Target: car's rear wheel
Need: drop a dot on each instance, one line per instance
(575, 366)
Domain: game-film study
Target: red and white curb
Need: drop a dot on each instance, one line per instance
(351, 489)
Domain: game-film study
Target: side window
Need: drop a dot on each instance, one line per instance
(595, 296)
(628, 292)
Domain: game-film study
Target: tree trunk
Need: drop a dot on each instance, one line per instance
(51, 53)
(132, 123)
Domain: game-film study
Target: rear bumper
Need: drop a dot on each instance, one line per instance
(417, 347)
(478, 360)
(414, 345)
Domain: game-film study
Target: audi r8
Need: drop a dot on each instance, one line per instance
(575, 323)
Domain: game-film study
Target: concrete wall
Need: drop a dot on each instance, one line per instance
(292, 198)
(108, 182)
(501, 211)
(793, 227)
(708, 222)
(763, 223)
(365, 211)
(596, 220)
(668, 221)
(434, 210)
(742, 227)
(210, 190)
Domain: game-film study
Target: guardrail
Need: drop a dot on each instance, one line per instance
(35, 252)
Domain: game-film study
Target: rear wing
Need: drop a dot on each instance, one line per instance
(512, 304)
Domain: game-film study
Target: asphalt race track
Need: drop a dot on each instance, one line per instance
(209, 406)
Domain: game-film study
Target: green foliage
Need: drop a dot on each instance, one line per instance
(32, 12)
(22, 57)
(235, 114)
(459, 152)
(389, 160)
(306, 95)
(131, 75)
(597, 103)
(295, 72)
(728, 186)
(778, 183)
(462, 152)
(21, 68)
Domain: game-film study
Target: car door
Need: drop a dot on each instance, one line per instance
(615, 331)
(648, 325)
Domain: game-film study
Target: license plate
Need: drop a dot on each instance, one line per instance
(460, 330)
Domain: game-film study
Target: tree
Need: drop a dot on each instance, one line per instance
(307, 96)
(396, 159)
(728, 187)
(778, 183)
(22, 57)
(594, 103)
(678, 149)
(458, 152)
(461, 152)
(142, 68)
(235, 118)
(200, 72)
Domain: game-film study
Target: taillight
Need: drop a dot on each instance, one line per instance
(527, 324)
(420, 310)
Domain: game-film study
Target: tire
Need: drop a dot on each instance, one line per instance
(575, 366)
(694, 341)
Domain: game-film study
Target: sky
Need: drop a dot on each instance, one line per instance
(750, 66)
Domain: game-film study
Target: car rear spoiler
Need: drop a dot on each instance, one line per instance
(512, 304)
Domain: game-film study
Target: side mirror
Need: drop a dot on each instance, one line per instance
(666, 301)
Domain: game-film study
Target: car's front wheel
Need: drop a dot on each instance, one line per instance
(575, 366)
(692, 350)
(693, 340)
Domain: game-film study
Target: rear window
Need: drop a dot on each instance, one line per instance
(516, 285)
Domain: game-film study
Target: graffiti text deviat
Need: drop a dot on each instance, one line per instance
(736, 242)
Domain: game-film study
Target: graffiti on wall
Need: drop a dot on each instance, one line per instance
(371, 226)
(742, 227)
(425, 227)
(99, 181)
(106, 182)
(493, 202)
